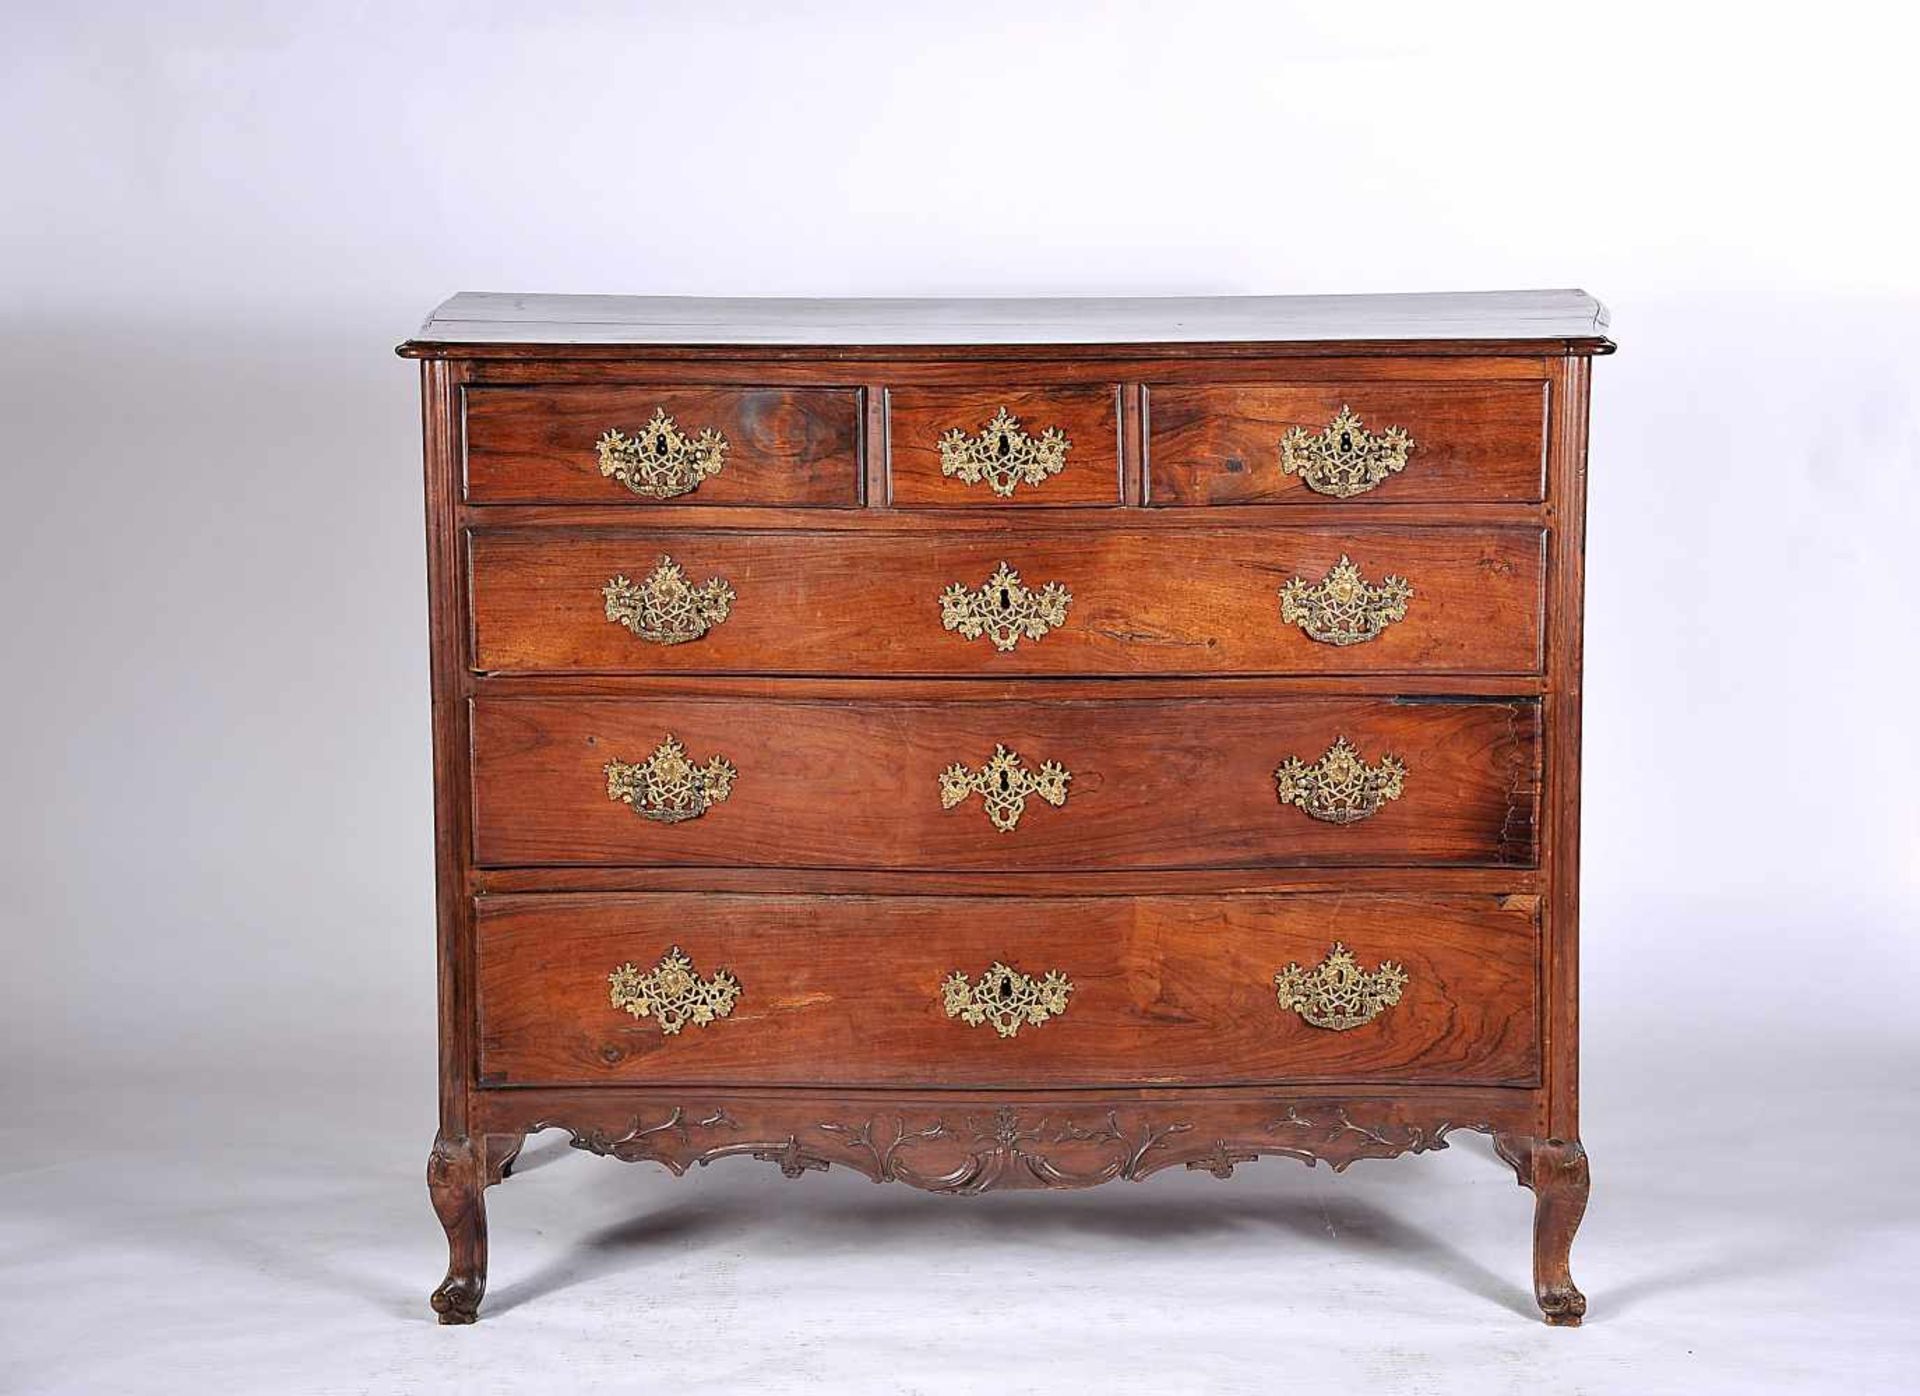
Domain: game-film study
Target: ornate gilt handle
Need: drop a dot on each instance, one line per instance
(667, 787)
(1006, 998)
(1002, 456)
(1343, 608)
(666, 608)
(1003, 610)
(672, 994)
(1337, 993)
(660, 461)
(1344, 459)
(1003, 785)
(1340, 787)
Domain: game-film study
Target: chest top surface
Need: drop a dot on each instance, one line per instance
(487, 322)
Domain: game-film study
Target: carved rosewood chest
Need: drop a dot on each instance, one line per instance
(1007, 743)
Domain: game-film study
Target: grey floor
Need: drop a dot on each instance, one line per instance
(256, 1239)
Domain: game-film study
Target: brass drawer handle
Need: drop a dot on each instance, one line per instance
(1003, 610)
(1343, 608)
(660, 461)
(1002, 455)
(672, 994)
(1337, 993)
(1345, 458)
(1003, 785)
(667, 787)
(1340, 787)
(1006, 998)
(667, 609)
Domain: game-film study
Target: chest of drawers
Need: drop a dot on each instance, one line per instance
(1007, 743)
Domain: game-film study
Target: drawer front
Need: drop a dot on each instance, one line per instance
(1311, 444)
(789, 447)
(1102, 991)
(975, 448)
(1030, 785)
(1169, 601)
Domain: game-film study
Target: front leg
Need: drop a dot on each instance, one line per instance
(456, 1180)
(1556, 1171)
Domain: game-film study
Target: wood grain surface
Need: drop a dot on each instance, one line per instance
(1155, 784)
(794, 447)
(846, 990)
(1221, 444)
(1160, 602)
(1088, 415)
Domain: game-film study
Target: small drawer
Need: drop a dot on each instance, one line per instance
(1315, 444)
(783, 447)
(1008, 991)
(975, 448)
(1201, 601)
(1035, 785)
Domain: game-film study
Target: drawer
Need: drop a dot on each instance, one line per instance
(1036, 784)
(972, 448)
(1165, 601)
(858, 991)
(1314, 443)
(788, 447)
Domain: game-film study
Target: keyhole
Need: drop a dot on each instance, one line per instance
(1003, 599)
(1005, 991)
(1346, 441)
(1002, 446)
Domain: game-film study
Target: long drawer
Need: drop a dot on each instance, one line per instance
(1159, 601)
(978, 785)
(584, 989)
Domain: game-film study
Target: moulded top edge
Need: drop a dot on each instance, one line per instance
(503, 322)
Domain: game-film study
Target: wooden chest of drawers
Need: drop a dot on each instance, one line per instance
(1007, 744)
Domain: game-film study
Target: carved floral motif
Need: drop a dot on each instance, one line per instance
(1329, 1133)
(963, 1150)
(653, 1142)
(1004, 1149)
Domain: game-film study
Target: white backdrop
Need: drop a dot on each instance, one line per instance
(219, 218)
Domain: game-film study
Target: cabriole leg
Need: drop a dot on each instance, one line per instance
(1556, 1171)
(456, 1181)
